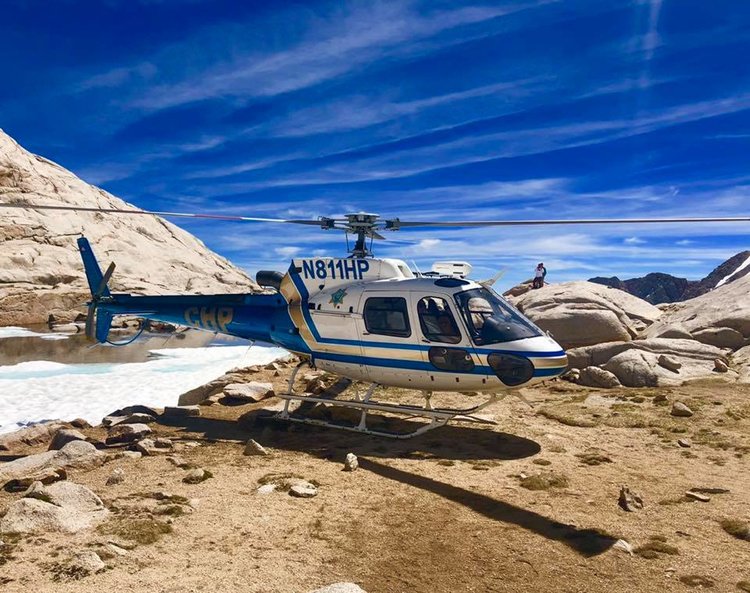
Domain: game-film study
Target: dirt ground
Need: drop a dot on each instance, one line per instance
(446, 511)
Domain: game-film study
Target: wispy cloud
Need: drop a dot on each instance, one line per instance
(331, 47)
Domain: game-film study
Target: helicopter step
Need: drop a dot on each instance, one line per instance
(437, 416)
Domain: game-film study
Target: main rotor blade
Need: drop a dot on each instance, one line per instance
(401, 224)
(159, 213)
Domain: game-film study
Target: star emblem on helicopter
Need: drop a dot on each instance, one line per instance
(337, 298)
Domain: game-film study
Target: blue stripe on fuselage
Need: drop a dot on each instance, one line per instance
(422, 366)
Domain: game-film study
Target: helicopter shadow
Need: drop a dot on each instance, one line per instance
(450, 442)
(586, 542)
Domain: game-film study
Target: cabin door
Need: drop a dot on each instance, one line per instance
(447, 352)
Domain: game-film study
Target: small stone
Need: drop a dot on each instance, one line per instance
(660, 398)
(272, 366)
(212, 400)
(720, 366)
(139, 417)
(178, 462)
(266, 489)
(181, 411)
(571, 375)
(123, 544)
(697, 496)
(681, 410)
(127, 433)
(248, 392)
(621, 544)
(80, 423)
(116, 550)
(303, 490)
(160, 495)
(36, 490)
(669, 363)
(163, 443)
(684, 443)
(110, 421)
(87, 561)
(148, 447)
(254, 448)
(64, 436)
(593, 376)
(131, 454)
(116, 477)
(351, 462)
(136, 409)
(196, 476)
(629, 501)
(46, 477)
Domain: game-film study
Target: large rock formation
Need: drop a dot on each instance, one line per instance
(583, 313)
(659, 288)
(720, 318)
(62, 507)
(40, 269)
(648, 363)
(77, 454)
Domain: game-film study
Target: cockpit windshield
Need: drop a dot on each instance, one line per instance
(491, 320)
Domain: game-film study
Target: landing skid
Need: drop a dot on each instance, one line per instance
(437, 416)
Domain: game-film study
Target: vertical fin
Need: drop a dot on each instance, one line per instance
(93, 271)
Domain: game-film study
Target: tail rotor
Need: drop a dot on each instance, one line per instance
(91, 326)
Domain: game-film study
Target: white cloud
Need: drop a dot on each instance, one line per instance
(633, 241)
(427, 245)
(287, 251)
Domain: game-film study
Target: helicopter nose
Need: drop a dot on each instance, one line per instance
(546, 360)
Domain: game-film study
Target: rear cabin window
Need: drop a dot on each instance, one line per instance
(387, 316)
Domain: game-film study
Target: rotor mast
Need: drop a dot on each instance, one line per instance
(362, 225)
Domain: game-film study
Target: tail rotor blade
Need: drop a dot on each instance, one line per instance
(90, 322)
(105, 280)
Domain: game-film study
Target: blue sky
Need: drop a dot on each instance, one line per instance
(421, 110)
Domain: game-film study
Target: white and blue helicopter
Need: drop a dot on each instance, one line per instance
(366, 319)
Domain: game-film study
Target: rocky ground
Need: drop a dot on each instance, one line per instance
(530, 503)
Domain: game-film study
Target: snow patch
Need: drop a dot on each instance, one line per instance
(20, 332)
(728, 276)
(39, 390)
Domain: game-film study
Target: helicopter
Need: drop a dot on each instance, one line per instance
(364, 318)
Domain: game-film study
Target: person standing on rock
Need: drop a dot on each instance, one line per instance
(539, 274)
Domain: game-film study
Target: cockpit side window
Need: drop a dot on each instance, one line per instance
(387, 316)
(491, 319)
(437, 322)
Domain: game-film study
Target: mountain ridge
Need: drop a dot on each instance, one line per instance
(659, 287)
